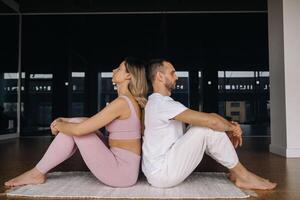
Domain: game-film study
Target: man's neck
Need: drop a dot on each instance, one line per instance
(162, 91)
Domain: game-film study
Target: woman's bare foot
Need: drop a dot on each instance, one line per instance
(247, 180)
(32, 177)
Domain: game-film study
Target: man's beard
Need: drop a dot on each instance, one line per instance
(169, 85)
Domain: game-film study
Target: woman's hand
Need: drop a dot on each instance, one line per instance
(54, 130)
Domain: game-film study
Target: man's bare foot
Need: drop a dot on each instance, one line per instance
(247, 180)
(251, 181)
(32, 177)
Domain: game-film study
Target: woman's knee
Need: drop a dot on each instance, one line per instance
(76, 120)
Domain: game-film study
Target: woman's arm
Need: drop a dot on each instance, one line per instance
(68, 119)
(65, 119)
(112, 111)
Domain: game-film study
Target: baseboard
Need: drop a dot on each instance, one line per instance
(9, 136)
(286, 152)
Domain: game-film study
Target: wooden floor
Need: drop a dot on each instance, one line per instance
(18, 155)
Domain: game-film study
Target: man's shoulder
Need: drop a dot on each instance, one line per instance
(159, 101)
(158, 97)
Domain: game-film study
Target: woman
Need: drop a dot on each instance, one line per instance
(118, 163)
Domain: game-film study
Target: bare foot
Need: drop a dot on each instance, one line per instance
(247, 180)
(32, 177)
(251, 181)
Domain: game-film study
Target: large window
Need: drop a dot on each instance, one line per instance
(67, 59)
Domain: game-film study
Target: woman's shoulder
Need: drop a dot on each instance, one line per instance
(119, 102)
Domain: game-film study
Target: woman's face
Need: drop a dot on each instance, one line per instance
(119, 74)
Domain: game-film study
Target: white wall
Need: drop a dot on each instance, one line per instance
(284, 56)
(291, 25)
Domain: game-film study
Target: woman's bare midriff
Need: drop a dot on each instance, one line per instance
(133, 145)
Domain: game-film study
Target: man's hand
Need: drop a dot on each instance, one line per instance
(235, 135)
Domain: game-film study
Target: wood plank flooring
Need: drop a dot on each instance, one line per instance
(19, 155)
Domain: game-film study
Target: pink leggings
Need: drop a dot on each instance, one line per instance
(114, 167)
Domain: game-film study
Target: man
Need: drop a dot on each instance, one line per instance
(170, 153)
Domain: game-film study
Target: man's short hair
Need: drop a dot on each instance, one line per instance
(154, 66)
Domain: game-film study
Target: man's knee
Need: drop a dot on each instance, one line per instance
(220, 134)
(207, 133)
(199, 130)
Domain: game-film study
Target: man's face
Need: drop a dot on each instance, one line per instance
(170, 76)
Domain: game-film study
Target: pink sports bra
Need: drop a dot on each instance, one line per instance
(129, 128)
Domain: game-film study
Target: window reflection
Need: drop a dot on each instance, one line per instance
(106, 90)
(244, 97)
(77, 94)
(181, 91)
(8, 101)
(36, 107)
(200, 90)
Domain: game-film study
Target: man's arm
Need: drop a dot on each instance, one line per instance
(237, 131)
(210, 120)
(215, 122)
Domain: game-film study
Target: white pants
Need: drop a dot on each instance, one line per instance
(185, 155)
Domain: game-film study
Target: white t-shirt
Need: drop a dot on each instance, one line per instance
(161, 130)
